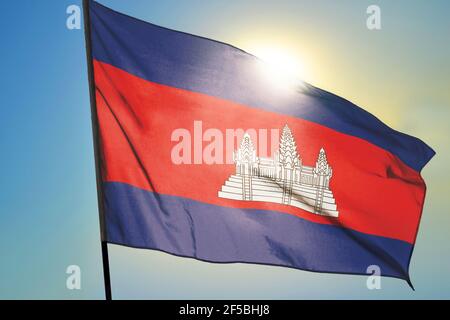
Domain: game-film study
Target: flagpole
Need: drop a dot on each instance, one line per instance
(95, 133)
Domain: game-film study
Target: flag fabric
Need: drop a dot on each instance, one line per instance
(203, 155)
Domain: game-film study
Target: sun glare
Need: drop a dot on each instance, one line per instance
(282, 67)
(281, 60)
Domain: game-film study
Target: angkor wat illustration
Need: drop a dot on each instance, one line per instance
(281, 179)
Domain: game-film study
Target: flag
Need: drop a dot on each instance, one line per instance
(205, 154)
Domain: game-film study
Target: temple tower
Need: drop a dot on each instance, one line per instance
(322, 171)
(245, 157)
(288, 158)
(289, 164)
(246, 164)
(322, 175)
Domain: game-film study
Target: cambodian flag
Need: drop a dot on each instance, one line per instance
(205, 155)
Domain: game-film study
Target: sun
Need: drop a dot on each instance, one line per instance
(282, 60)
(280, 65)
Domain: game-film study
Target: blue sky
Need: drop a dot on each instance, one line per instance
(48, 206)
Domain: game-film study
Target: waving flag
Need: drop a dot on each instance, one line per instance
(205, 155)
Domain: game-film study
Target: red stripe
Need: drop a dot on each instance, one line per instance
(375, 192)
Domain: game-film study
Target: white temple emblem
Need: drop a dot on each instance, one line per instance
(281, 179)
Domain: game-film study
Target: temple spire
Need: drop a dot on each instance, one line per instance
(247, 147)
(322, 166)
(288, 149)
(246, 152)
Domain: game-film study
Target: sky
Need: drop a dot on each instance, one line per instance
(48, 204)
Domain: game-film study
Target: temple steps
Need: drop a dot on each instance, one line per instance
(269, 185)
(268, 190)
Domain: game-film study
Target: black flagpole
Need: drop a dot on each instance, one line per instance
(95, 132)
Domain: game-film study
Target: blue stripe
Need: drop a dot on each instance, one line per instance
(201, 65)
(143, 219)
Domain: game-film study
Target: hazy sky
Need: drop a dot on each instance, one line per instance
(48, 208)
